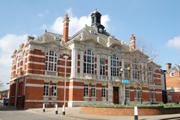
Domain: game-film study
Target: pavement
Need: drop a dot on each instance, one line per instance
(9, 113)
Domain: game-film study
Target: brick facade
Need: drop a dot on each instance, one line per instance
(39, 71)
(173, 83)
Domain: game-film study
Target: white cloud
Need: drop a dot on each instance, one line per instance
(8, 44)
(174, 43)
(76, 23)
(44, 13)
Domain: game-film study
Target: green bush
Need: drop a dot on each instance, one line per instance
(131, 105)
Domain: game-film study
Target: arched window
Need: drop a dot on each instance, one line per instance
(51, 61)
(89, 62)
(114, 65)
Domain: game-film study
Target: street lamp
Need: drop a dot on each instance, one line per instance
(125, 81)
(65, 56)
(164, 91)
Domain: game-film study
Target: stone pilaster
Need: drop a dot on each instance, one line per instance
(109, 68)
(98, 67)
(123, 69)
(73, 61)
(81, 63)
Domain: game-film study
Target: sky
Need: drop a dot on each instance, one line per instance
(155, 24)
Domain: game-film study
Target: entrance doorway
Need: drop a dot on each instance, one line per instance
(116, 95)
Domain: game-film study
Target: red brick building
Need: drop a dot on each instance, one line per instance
(4, 94)
(173, 82)
(96, 66)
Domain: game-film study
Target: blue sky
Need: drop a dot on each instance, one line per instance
(154, 22)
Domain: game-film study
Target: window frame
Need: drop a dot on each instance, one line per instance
(54, 89)
(46, 89)
(89, 62)
(51, 61)
(93, 91)
(86, 90)
(104, 91)
(115, 66)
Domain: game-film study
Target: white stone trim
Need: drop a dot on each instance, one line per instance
(39, 63)
(34, 85)
(34, 55)
(76, 87)
(43, 100)
(63, 66)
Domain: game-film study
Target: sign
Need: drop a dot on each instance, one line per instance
(125, 81)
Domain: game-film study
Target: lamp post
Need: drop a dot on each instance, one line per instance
(164, 91)
(64, 105)
(125, 81)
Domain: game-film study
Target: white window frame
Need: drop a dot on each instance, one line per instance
(114, 66)
(46, 89)
(138, 94)
(93, 91)
(127, 93)
(54, 89)
(89, 62)
(86, 90)
(150, 75)
(126, 71)
(104, 91)
(51, 61)
(102, 67)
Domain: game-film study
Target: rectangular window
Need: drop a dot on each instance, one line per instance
(138, 94)
(115, 66)
(93, 91)
(85, 90)
(127, 93)
(54, 90)
(152, 96)
(102, 66)
(103, 91)
(46, 89)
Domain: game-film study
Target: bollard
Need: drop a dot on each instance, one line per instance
(56, 108)
(135, 113)
(44, 105)
(63, 110)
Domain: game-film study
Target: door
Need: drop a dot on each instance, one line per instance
(116, 95)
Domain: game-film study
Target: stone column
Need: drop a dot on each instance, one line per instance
(98, 67)
(142, 72)
(110, 92)
(81, 63)
(73, 61)
(109, 68)
(123, 69)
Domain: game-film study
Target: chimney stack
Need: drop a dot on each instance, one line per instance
(132, 42)
(168, 67)
(66, 28)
